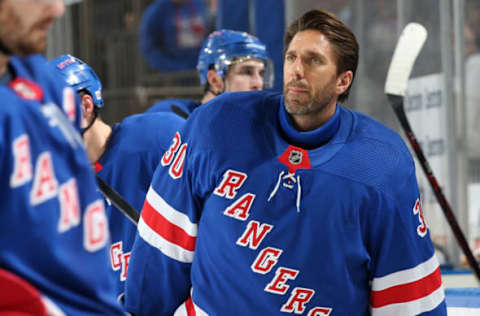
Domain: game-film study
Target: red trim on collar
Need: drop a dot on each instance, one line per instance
(98, 166)
(295, 158)
(27, 89)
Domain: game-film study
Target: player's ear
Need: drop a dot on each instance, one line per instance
(87, 105)
(215, 81)
(343, 81)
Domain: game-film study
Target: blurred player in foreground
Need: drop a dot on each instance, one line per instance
(55, 237)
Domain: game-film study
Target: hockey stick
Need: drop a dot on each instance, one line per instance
(408, 47)
(129, 211)
(177, 110)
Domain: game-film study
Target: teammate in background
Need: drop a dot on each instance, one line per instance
(229, 61)
(124, 156)
(171, 33)
(54, 238)
(268, 204)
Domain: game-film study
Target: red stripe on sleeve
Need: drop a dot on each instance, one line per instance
(407, 292)
(189, 307)
(166, 229)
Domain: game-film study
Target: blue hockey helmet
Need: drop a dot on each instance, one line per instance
(223, 48)
(80, 76)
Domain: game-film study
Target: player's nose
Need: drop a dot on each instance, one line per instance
(56, 8)
(257, 82)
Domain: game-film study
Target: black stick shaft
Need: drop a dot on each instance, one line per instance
(129, 211)
(397, 104)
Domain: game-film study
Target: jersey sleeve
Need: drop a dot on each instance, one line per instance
(3, 137)
(405, 276)
(159, 270)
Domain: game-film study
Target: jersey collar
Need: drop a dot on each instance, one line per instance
(310, 139)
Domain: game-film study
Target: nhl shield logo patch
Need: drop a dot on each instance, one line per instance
(295, 157)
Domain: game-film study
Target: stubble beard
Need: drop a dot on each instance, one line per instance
(15, 39)
(311, 103)
(34, 46)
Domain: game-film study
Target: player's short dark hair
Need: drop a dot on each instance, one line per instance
(344, 43)
(206, 87)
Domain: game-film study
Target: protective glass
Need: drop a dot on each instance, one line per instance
(224, 62)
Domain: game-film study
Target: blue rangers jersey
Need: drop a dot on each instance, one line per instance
(53, 224)
(241, 219)
(185, 105)
(133, 152)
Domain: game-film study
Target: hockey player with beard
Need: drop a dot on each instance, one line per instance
(269, 204)
(54, 235)
(125, 156)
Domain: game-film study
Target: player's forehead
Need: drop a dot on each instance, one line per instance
(251, 63)
(33, 3)
(13, 2)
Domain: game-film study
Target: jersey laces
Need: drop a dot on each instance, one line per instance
(288, 180)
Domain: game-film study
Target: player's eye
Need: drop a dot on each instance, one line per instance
(290, 58)
(246, 71)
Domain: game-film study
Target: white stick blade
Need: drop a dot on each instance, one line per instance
(408, 47)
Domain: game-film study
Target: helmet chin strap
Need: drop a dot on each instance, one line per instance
(95, 114)
(215, 93)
